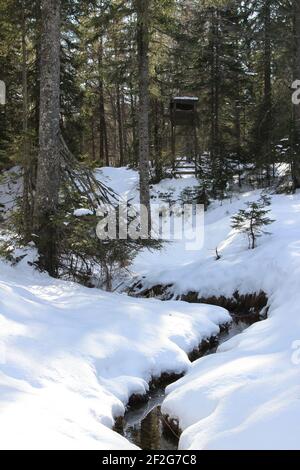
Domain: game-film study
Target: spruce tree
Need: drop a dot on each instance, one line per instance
(253, 220)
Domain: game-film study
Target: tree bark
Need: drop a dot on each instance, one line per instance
(48, 174)
(215, 85)
(134, 156)
(237, 125)
(124, 122)
(267, 86)
(215, 146)
(27, 189)
(158, 129)
(93, 138)
(37, 66)
(103, 143)
(120, 126)
(143, 16)
(296, 110)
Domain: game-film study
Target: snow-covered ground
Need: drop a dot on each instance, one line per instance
(125, 182)
(70, 357)
(247, 396)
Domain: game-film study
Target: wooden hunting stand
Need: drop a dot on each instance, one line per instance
(183, 112)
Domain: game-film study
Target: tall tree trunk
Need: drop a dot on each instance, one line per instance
(27, 190)
(134, 156)
(237, 125)
(114, 127)
(296, 110)
(124, 121)
(93, 138)
(217, 88)
(217, 166)
(267, 86)
(37, 64)
(48, 175)
(158, 129)
(103, 144)
(120, 126)
(215, 85)
(106, 147)
(143, 17)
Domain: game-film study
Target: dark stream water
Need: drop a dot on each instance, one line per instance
(144, 424)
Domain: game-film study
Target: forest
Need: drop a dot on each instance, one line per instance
(132, 113)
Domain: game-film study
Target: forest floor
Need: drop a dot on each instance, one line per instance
(70, 357)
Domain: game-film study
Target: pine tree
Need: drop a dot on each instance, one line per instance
(253, 220)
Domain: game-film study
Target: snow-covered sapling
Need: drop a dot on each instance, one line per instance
(253, 220)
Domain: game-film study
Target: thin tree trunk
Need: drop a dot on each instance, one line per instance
(215, 72)
(124, 121)
(217, 167)
(252, 234)
(158, 139)
(217, 87)
(103, 144)
(296, 110)
(237, 125)
(120, 126)
(173, 145)
(143, 13)
(267, 85)
(106, 147)
(114, 127)
(48, 175)
(27, 190)
(133, 126)
(93, 138)
(37, 66)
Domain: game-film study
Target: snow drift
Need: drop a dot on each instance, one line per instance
(71, 357)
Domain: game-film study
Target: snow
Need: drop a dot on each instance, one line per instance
(125, 182)
(82, 212)
(10, 190)
(70, 357)
(282, 169)
(247, 396)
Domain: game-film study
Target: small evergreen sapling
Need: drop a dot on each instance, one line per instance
(253, 220)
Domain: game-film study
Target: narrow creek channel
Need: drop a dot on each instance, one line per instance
(144, 425)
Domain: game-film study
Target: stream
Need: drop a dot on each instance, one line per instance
(145, 426)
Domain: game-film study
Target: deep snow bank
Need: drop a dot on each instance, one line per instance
(247, 395)
(70, 357)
